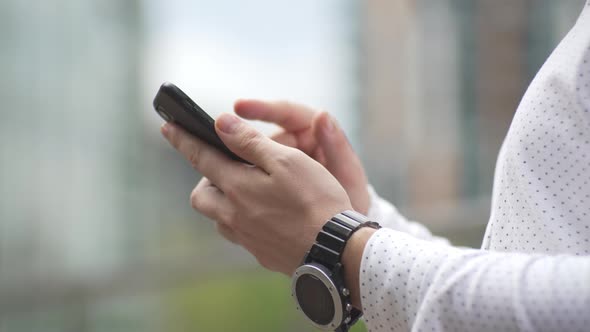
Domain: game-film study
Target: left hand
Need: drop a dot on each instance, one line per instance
(274, 210)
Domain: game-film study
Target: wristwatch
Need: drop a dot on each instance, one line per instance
(318, 285)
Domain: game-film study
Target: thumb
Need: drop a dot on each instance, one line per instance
(334, 145)
(245, 141)
(341, 160)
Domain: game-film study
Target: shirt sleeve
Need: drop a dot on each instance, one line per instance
(411, 284)
(387, 215)
(583, 82)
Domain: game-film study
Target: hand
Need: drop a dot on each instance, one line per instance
(319, 136)
(274, 210)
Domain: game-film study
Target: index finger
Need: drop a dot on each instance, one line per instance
(203, 157)
(292, 117)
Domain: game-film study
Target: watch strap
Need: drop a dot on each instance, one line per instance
(332, 239)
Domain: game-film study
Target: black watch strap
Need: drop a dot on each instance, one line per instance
(333, 237)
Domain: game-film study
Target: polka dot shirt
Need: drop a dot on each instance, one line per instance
(533, 270)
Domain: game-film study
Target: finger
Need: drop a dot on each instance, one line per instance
(303, 140)
(291, 117)
(228, 233)
(209, 200)
(203, 157)
(319, 156)
(285, 138)
(337, 152)
(341, 160)
(248, 143)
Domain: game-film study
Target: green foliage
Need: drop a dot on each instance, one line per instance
(240, 302)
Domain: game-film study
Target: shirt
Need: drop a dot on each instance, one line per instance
(533, 270)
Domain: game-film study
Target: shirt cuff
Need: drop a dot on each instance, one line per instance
(393, 267)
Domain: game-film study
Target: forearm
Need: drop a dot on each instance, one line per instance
(412, 284)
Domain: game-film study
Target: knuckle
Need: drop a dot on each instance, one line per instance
(229, 219)
(296, 154)
(231, 192)
(250, 140)
(277, 136)
(225, 230)
(289, 158)
(288, 105)
(195, 157)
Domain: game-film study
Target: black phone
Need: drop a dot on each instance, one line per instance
(176, 107)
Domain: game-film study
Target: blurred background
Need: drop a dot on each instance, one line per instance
(96, 232)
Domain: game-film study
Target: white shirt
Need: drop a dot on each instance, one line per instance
(533, 270)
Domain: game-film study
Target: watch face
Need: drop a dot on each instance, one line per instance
(315, 299)
(317, 296)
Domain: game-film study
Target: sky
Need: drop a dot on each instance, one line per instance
(218, 51)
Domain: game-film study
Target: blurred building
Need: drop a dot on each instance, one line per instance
(440, 83)
(96, 233)
(69, 80)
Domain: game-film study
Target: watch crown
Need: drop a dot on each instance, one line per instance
(345, 291)
(348, 307)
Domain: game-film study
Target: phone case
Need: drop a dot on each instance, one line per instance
(176, 107)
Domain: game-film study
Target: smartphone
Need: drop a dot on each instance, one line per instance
(176, 107)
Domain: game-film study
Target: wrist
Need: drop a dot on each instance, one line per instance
(326, 287)
(351, 262)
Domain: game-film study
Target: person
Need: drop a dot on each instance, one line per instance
(532, 272)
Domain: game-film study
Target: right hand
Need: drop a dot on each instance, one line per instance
(319, 136)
